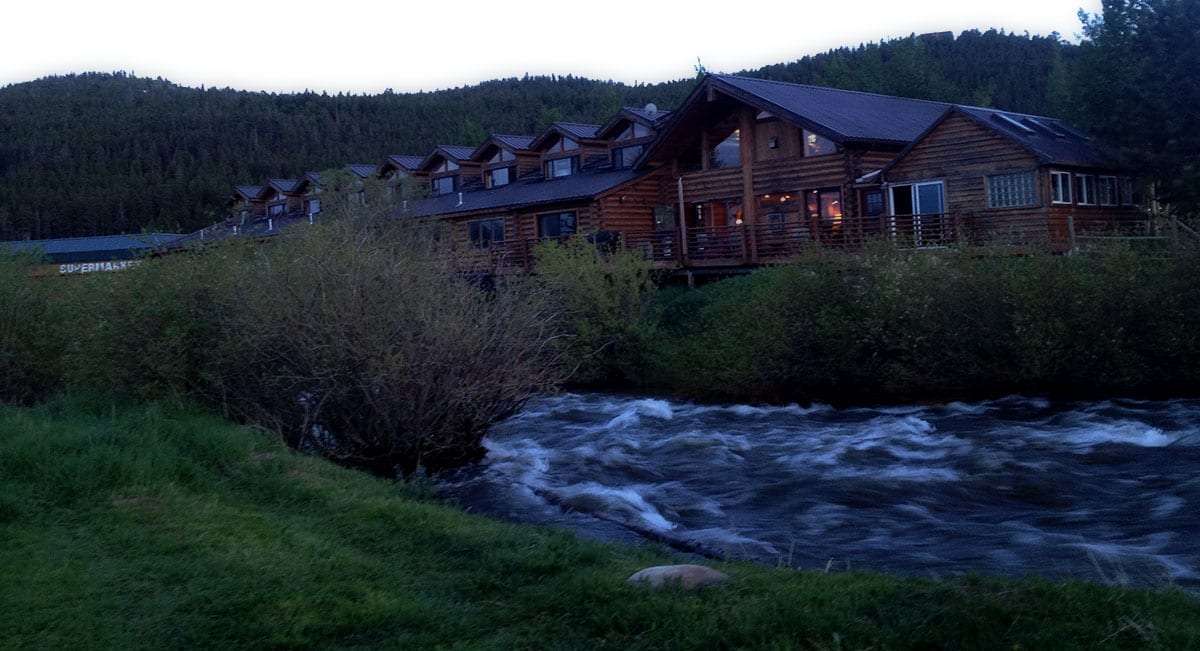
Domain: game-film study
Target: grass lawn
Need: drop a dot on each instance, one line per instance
(158, 526)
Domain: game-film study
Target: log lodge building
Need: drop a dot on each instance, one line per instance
(746, 172)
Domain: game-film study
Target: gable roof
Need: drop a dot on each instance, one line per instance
(841, 115)
(574, 130)
(456, 153)
(1050, 140)
(284, 185)
(361, 170)
(628, 113)
(523, 193)
(313, 177)
(91, 249)
(250, 192)
(408, 162)
(1053, 141)
(508, 141)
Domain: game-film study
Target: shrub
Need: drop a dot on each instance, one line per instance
(359, 339)
(30, 343)
(602, 295)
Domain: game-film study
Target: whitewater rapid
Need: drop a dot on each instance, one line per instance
(1104, 491)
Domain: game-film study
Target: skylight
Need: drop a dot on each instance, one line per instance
(1012, 123)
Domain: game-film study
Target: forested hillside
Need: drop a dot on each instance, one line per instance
(104, 153)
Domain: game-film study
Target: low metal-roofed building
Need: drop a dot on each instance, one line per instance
(72, 255)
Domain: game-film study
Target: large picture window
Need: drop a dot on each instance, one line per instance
(556, 224)
(560, 167)
(1011, 190)
(486, 232)
(817, 145)
(1060, 187)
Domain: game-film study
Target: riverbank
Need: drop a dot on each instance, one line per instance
(152, 526)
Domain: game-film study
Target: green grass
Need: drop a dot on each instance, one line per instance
(158, 526)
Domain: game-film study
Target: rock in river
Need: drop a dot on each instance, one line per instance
(688, 577)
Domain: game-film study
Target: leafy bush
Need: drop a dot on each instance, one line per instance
(30, 345)
(602, 296)
(890, 325)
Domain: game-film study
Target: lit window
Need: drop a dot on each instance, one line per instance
(558, 224)
(1086, 186)
(495, 178)
(727, 153)
(1106, 190)
(1011, 190)
(1060, 187)
(560, 167)
(815, 145)
(624, 157)
(442, 185)
(486, 232)
(826, 204)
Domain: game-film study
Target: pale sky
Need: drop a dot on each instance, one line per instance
(368, 46)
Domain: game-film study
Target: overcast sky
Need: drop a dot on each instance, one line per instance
(367, 46)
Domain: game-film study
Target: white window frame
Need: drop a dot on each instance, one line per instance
(1087, 189)
(916, 202)
(1057, 197)
(1114, 197)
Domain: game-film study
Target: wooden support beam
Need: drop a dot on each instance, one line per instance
(746, 122)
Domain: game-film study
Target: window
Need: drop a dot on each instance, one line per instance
(556, 224)
(664, 218)
(275, 210)
(1086, 189)
(502, 156)
(1011, 190)
(925, 198)
(497, 177)
(624, 157)
(641, 131)
(569, 145)
(446, 166)
(727, 153)
(1060, 187)
(1106, 190)
(442, 185)
(560, 167)
(1127, 192)
(825, 204)
(873, 203)
(314, 206)
(485, 232)
(815, 145)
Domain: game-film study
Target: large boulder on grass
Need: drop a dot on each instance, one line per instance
(688, 577)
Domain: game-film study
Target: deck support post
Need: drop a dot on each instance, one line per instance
(746, 122)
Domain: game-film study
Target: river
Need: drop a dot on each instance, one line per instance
(1104, 491)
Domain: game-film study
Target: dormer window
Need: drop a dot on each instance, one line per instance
(635, 131)
(442, 185)
(446, 166)
(625, 157)
(568, 144)
(817, 145)
(560, 167)
(502, 156)
(497, 177)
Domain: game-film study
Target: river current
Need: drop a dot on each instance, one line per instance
(1105, 491)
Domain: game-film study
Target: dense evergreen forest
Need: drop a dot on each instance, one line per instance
(103, 153)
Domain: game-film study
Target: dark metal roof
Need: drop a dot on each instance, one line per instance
(456, 153)
(284, 185)
(653, 120)
(574, 130)
(92, 249)
(361, 170)
(313, 177)
(508, 141)
(1053, 141)
(523, 193)
(408, 162)
(249, 191)
(843, 115)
